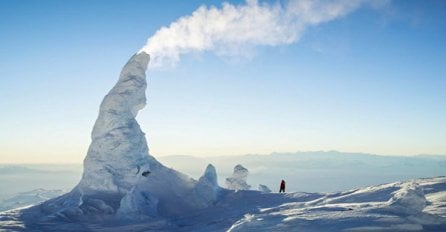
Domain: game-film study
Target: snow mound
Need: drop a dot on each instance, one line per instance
(238, 179)
(409, 199)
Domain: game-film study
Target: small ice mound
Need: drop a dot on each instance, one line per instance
(238, 179)
(264, 188)
(206, 190)
(138, 205)
(408, 200)
(209, 177)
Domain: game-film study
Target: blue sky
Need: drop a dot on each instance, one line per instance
(372, 81)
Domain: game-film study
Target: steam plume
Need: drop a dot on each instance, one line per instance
(231, 29)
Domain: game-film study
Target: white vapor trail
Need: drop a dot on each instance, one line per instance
(231, 29)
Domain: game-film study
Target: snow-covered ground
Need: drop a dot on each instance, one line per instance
(401, 206)
(418, 205)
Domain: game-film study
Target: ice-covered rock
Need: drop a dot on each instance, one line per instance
(264, 188)
(238, 179)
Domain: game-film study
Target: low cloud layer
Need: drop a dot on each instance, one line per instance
(234, 29)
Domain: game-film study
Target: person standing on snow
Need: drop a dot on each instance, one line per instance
(282, 186)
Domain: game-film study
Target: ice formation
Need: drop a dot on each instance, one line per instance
(264, 188)
(118, 153)
(120, 179)
(206, 190)
(238, 179)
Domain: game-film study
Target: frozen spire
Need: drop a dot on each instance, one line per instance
(118, 153)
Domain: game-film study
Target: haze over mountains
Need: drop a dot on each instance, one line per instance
(316, 171)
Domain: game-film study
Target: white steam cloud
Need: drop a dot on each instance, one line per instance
(232, 29)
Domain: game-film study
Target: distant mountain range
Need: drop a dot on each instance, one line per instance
(314, 171)
(318, 171)
(6, 169)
